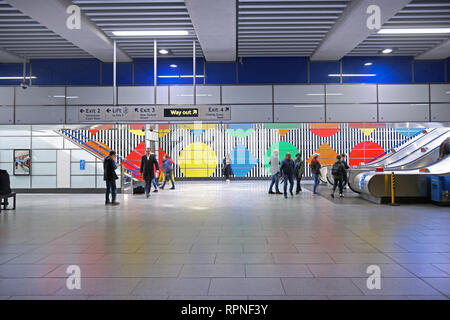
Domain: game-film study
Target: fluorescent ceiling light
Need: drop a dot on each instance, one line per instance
(368, 63)
(352, 75)
(182, 76)
(16, 78)
(173, 66)
(308, 106)
(322, 94)
(68, 97)
(163, 51)
(387, 50)
(150, 33)
(414, 31)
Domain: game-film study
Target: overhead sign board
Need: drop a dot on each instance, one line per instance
(153, 113)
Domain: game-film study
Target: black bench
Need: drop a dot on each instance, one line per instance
(4, 200)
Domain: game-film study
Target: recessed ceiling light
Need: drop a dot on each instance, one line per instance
(414, 31)
(368, 64)
(150, 33)
(163, 51)
(352, 75)
(387, 50)
(173, 66)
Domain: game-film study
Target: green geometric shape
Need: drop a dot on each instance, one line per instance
(283, 147)
(282, 125)
(240, 133)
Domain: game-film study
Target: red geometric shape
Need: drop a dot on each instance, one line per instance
(324, 129)
(137, 126)
(93, 132)
(134, 159)
(161, 154)
(364, 152)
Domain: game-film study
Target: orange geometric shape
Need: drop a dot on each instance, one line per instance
(98, 148)
(324, 129)
(283, 132)
(363, 152)
(327, 156)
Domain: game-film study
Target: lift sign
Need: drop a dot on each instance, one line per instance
(180, 112)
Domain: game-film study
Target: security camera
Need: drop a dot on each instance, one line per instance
(23, 85)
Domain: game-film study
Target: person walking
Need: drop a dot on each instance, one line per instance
(110, 177)
(338, 171)
(148, 161)
(315, 169)
(299, 171)
(227, 167)
(167, 167)
(346, 166)
(444, 149)
(288, 169)
(275, 172)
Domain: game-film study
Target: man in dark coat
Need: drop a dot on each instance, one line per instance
(148, 173)
(110, 177)
(288, 169)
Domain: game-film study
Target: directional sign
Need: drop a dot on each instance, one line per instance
(82, 164)
(154, 113)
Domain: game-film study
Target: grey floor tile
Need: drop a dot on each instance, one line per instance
(319, 286)
(242, 240)
(287, 297)
(88, 271)
(55, 297)
(31, 286)
(368, 297)
(215, 248)
(246, 286)
(348, 270)
(361, 248)
(300, 258)
(397, 286)
(129, 258)
(443, 266)
(165, 248)
(321, 248)
(5, 257)
(419, 257)
(244, 258)
(440, 284)
(277, 270)
(186, 258)
(16, 248)
(130, 297)
(425, 270)
(75, 258)
(172, 286)
(428, 298)
(102, 286)
(255, 248)
(149, 271)
(360, 258)
(212, 271)
(25, 270)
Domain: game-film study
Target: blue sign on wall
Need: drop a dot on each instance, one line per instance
(82, 164)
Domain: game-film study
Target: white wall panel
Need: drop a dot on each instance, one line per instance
(299, 93)
(6, 115)
(440, 92)
(20, 182)
(440, 112)
(15, 131)
(6, 155)
(48, 142)
(208, 94)
(181, 95)
(43, 156)
(392, 93)
(40, 96)
(6, 96)
(299, 113)
(45, 130)
(142, 95)
(351, 112)
(82, 181)
(246, 94)
(404, 112)
(90, 95)
(102, 185)
(8, 166)
(42, 168)
(40, 114)
(351, 93)
(251, 113)
(89, 168)
(77, 155)
(43, 182)
(15, 143)
(63, 169)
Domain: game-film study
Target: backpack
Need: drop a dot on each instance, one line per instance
(336, 169)
(139, 190)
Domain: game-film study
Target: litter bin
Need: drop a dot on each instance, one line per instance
(440, 188)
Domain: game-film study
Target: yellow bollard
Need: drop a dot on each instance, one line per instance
(393, 203)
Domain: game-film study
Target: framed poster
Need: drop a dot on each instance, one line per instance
(22, 162)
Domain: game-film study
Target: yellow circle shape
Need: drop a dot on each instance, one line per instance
(198, 160)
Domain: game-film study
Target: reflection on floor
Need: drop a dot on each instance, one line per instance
(222, 241)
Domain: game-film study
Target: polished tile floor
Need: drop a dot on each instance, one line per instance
(213, 240)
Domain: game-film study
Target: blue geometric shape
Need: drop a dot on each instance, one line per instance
(408, 132)
(242, 160)
(197, 132)
(244, 126)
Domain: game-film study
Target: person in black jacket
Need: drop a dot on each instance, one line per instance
(338, 171)
(147, 171)
(110, 177)
(315, 169)
(346, 166)
(288, 169)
